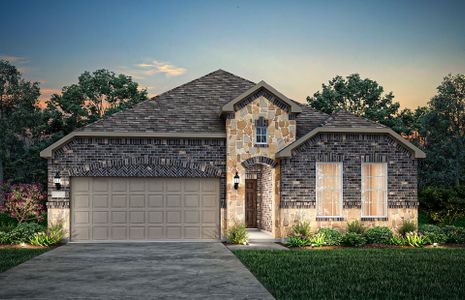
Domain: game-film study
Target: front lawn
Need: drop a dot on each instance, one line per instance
(359, 273)
(10, 257)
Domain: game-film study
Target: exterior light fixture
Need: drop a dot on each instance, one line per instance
(236, 181)
(57, 181)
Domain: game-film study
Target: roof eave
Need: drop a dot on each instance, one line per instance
(229, 107)
(47, 152)
(287, 151)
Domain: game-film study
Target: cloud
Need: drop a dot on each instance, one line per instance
(14, 59)
(159, 67)
(45, 94)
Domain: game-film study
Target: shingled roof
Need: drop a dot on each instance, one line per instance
(345, 119)
(192, 107)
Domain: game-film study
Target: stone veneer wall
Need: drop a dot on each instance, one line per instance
(240, 131)
(151, 157)
(298, 176)
(266, 207)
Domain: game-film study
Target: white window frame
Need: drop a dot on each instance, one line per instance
(341, 187)
(362, 185)
(262, 134)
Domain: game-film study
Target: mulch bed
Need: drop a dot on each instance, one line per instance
(375, 246)
(22, 246)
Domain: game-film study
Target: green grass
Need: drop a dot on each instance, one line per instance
(359, 273)
(11, 257)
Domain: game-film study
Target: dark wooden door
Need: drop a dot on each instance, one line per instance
(251, 202)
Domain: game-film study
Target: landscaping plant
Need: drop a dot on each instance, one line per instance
(433, 233)
(52, 236)
(238, 234)
(297, 241)
(353, 239)
(301, 229)
(332, 237)
(415, 239)
(407, 226)
(378, 235)
(454, 234)
(20, 234)
(318, 240)
(24, 202)
(356, 227)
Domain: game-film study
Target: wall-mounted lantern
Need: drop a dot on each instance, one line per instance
(236, 181)
(57, 181)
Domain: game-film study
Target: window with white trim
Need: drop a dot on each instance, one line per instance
(329, 189)
(261, 131)
(374, 189)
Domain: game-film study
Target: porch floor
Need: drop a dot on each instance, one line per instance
(257, 235)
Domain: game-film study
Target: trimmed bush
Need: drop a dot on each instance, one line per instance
(21, 234)
(379, 235)
(356, 227)
(332, 237)
(454, 234)
(353, 239)
(433, 233)
(238, 234)
(407, 226)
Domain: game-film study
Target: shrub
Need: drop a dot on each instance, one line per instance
(302, 230)
(356, 227)
(297, 241)
(353, 239)
(415, 239)
(378, 235)
(24, 202)
(454, 234)
(434, 234)
(20, 234)
(318, 240)
(397, 240)
(238, 234)
(332, 237)
(445, 205)
(51, 237)
(407, 226)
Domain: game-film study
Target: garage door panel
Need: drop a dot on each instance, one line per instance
(137, 217)
(137, 201)
(100, 201)
(119, 233)
(100, 233)
(155, 201)
(120, 208)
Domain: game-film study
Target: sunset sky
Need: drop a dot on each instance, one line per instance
(293, 45)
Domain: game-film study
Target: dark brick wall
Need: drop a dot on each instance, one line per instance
(266, 183)
(298, 171)
(159, 157)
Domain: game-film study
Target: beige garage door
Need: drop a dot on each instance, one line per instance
(114, 208)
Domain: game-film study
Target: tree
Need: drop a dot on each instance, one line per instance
(363, 97)
(19, 114)
(96, 95)
(443, 128)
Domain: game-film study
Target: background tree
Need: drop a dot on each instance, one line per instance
(363, 97)
(96, 95)
(443, 129)
(19, 114)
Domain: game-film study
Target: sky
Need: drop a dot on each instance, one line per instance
(296, 46)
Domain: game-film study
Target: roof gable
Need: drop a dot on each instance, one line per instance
(231, 105)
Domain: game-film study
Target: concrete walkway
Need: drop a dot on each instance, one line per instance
(133, 271)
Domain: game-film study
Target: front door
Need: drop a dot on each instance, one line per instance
(251, 202)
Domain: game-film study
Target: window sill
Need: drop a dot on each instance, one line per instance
(330, 218)
(374, 218)
(261, 145)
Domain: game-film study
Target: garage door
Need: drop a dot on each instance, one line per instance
(134, 208)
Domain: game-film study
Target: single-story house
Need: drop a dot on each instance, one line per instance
(219, 150)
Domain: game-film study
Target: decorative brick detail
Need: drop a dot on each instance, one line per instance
(374, 219)
(262, 93)
(259, 160)
(338, 219)
(166, 157)
(298, 171)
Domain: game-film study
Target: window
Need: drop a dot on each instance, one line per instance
(261, 131)
(374, 189)
(329, 189)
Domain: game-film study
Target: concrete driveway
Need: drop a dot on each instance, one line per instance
(133, 271)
